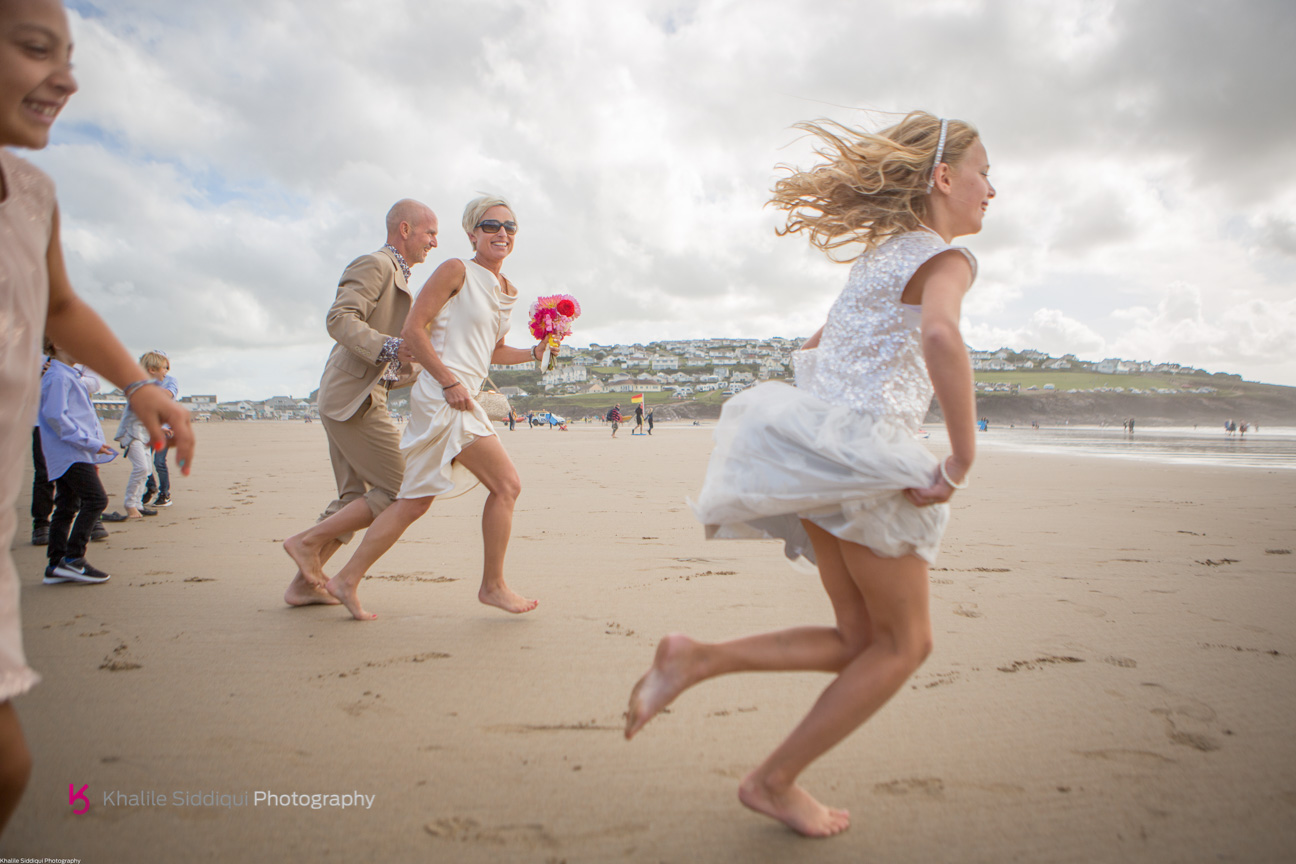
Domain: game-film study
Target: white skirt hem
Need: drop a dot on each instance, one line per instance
(783, 455)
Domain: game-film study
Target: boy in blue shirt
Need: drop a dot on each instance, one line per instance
(73, 444)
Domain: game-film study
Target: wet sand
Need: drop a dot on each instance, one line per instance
(1113, 677)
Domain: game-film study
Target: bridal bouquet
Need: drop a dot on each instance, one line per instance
(551, 320)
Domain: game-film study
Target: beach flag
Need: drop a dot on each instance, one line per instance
(637, 398)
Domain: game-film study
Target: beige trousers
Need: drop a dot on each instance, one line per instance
(366, 456)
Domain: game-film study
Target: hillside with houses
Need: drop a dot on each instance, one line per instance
(692, 377)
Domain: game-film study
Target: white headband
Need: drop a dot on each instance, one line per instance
(940, 151)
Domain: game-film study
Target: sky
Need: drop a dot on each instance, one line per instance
(223, 162)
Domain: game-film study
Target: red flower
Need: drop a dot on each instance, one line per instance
(566, 308)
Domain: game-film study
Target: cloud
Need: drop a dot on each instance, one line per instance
(1048, 330)
(223, 162)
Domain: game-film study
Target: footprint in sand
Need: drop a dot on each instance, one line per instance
(116, 660)
(1019, 665)
(1122, 662)
(1132, 758)
(938, 679)
(365, 703)
(458, 829)
(1086, 610)
(528, 728)
(932, 787)
(378, 664)
(967, 610)
(1189, 722)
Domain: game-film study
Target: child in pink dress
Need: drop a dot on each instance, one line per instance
(36, 298)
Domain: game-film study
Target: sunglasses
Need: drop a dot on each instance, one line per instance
(492, 226)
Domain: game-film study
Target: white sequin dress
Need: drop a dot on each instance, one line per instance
(464, 334)
(26, 223)
(839, 448)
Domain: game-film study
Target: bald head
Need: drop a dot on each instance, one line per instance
(412, 229)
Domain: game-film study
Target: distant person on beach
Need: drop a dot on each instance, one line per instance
(639, 420)
(35, 83)
(161, 487)
(831, 466)
(134, 440)
(614, 417)
(368, 359)
(456, 330)
(650, 420)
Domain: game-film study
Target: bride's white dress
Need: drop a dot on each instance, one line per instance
(464, 335)
(839, 448)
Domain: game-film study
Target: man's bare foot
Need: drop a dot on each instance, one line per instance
(350, 599)
(794, 807)
(507, 599)
(307, 559)
(670, 675)
(302, 592)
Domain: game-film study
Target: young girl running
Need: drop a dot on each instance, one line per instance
(36, 298)
(832, 466)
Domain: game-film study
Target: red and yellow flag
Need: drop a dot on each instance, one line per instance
(637, 398)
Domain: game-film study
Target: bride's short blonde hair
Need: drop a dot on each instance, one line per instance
(871, 186)
(477, 208)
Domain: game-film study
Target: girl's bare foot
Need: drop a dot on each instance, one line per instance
(794, 807)
(302, 592)
(507, 599)
(350, 599)
(669, 676)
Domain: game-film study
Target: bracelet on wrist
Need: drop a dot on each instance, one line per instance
(134, 386)
(451, 387)
(950, 480)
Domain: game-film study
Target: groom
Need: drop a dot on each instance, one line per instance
(373, 298)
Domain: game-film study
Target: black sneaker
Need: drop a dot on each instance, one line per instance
(40, 536)
(98, 532)
(163, 500)
(51, 578)
(148, 496)
(77, 570)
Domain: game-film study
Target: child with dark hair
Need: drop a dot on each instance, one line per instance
(73, 444)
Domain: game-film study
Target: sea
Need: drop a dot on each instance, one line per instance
(1273, 447)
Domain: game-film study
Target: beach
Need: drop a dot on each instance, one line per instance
(1113, 679)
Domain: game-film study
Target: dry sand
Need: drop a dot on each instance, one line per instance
(1114, 676)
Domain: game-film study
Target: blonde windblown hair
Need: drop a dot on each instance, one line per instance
(871, 186)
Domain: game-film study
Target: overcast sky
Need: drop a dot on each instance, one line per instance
(223, 162)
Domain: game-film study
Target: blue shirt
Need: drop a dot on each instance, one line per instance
(69, 427)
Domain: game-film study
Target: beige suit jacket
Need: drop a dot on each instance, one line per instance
(372, 301)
